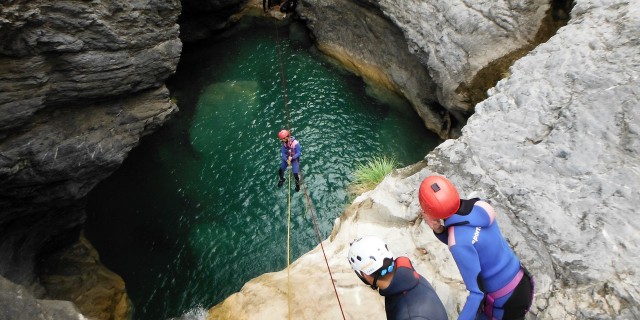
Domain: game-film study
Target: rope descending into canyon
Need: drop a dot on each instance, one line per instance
(283, 80)
(305, 192)
(289, 248)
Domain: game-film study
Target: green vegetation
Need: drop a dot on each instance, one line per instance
(369, 175)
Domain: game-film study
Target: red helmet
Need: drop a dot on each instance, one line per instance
(283, 134)
(438, 197)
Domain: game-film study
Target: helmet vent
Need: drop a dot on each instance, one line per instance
(435, 187)
(359, 259)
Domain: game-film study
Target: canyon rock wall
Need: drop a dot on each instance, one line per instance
(424, 50)
(80, 83)
(555, 146)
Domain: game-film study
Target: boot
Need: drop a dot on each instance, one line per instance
(281, 175)
(295, 175)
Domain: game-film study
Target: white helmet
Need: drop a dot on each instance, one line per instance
(367, 255)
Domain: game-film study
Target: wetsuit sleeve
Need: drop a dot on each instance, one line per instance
(466, 258)
(297, 151)
(443, 236)
(283, 153)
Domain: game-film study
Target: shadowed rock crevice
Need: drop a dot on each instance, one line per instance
(74, 273)
(556, 17)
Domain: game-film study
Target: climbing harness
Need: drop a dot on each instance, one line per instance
(490, 298)
(309, 206)
(291, 145)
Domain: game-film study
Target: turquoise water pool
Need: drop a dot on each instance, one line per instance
(194, 211)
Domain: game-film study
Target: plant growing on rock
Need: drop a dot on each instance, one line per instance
(368, 175)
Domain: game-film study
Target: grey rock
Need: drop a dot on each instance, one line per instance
(369, 44)
(80, 84)
(60, 52)
(557, 145)
(425, 49)
(455, 39)
(46, 169)
(16, 303)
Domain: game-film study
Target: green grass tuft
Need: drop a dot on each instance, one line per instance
(369, 175)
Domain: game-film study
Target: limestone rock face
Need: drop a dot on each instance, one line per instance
(369, 44)
(80, 83)
(457, 38)
(555, 148)
(76, 274)
(48, 168)
(57, 53)
(424, 50)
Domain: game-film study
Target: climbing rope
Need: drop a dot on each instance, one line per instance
(305, 191)
(282, 79)
(315, 226)
(286, 108)
(289, 249)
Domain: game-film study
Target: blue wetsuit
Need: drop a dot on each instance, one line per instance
(484, 258)
(410, 296)
(293, 149)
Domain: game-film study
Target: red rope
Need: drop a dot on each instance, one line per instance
(315, 225)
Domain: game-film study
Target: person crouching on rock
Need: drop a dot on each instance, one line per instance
(499, 286)
(407, 294)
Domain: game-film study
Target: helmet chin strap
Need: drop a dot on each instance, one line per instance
(386, 269)
(375, 280)
(374, 286)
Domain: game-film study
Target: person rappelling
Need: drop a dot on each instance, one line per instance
(290, 152)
